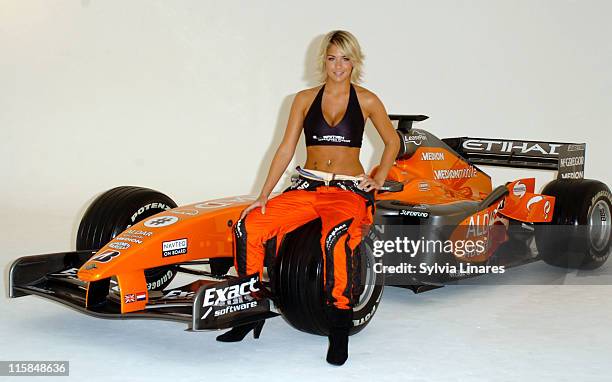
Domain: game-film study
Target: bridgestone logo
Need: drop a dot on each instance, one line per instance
(574, 161)
(461, 173)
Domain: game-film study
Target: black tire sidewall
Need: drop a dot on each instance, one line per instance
(299, 284)
(118, 209)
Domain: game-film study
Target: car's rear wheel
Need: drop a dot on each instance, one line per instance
(580, 233)
(299, 283)
(118, 209)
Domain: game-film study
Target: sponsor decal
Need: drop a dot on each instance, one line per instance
(119, 245)
(225, 202)
(303, 185)
(365, 319)
(135, 232)
(161, 281)
(572, 161)
(602, 214)
(573, 175)
(174, 247)
(66, 272)
(519, 189)
(185, 212)
(416, 138)
(511, 146)
(418, 214)
(177, 294)
(154, 206)
(460, 173)
(161, 221)
(432, 156)
(331, 237)
(331, 138)
(234, 298)
(424, 186)
(131, 240)
(533, 201)
(575, 147)
(90, 266)
(105, 256)
(480, 223)
(546, 209)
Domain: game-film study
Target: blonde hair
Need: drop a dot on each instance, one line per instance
(349, 45)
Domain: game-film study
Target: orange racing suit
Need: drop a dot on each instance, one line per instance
(344, 210)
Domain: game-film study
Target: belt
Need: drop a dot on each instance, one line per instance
(326, 177)
(309, 180)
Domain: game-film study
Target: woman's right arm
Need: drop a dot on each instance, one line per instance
(284, 152)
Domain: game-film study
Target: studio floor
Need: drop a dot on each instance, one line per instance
(552, 332)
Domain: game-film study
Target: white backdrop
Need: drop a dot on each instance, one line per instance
(191, 98)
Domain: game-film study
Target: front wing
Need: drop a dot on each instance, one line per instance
(205, 304)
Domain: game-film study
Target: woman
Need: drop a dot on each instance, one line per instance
(333, 184)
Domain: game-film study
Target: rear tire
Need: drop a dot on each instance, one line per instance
(580, 233)
(299, 283)
(118, 209)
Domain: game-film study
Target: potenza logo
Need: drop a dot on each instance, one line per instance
(161, 221)
(232, 298)
(174, 247)
(154, 206)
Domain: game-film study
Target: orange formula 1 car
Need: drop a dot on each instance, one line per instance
(133, 241)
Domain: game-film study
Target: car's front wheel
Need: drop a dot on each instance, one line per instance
(299, 283)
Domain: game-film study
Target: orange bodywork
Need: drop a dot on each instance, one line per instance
(430, 175)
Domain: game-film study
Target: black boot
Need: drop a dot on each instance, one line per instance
(341, 321)
(237, 333)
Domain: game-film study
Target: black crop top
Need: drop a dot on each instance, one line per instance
(348, 132)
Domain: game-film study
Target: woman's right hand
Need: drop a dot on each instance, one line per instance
(259, 202)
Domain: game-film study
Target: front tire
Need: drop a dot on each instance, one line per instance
(118, 209)
(299, 283)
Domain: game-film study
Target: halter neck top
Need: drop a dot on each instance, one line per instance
(348, 132)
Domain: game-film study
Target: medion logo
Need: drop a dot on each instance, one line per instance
(432, 156)
(511, 146)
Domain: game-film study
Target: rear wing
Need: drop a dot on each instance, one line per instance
(566, 158)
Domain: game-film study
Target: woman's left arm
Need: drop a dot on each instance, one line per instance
(383, 125)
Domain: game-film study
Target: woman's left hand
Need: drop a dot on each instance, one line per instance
(368, 184)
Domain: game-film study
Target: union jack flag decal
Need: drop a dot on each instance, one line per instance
(130, 298)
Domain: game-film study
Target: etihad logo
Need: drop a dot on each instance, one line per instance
(486, 145)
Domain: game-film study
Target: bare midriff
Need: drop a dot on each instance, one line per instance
(335, 159)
